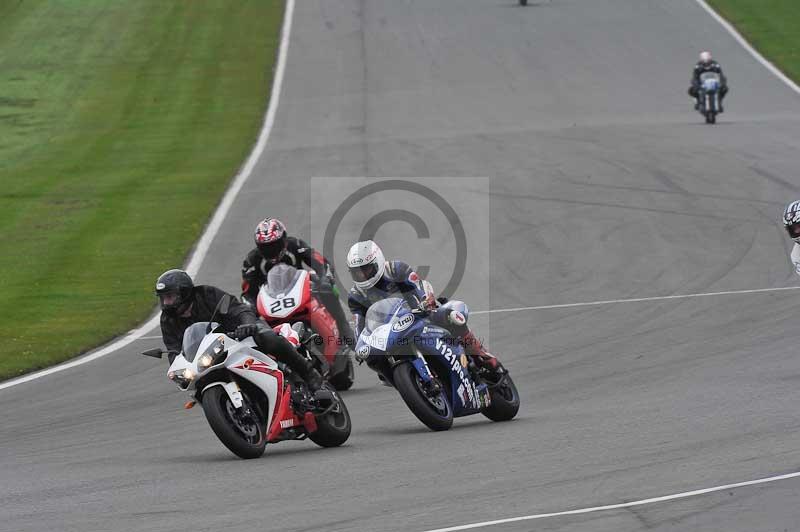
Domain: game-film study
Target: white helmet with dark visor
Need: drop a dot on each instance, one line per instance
(366, 263)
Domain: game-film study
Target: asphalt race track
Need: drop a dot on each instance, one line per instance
(604, 184)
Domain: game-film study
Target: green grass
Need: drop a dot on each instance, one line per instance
(121, 124)
(772, 26)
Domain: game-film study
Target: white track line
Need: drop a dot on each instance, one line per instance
(203, 245)
(636, 300)
(618, 506)
(746, 45)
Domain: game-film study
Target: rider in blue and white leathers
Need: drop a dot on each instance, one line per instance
(376, 279)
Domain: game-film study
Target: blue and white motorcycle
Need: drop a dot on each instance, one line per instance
(429, 368)
(710, 86)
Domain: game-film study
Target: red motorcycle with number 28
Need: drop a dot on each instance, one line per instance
(288, 297)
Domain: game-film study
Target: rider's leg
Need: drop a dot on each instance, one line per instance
(694, 93)
(331, 302)
(276, 345)
(453, 317)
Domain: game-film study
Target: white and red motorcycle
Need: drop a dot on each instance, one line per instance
(289, 297)
(250, 399)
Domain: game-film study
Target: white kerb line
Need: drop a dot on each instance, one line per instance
(607, 507)
(635, 300)
(746, 45)
(203, 245)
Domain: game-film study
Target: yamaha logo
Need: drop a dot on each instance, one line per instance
(363, 351)
(160, 286)
(403, 323)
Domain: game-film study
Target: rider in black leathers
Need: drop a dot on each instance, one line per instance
(182, 304)
(706, 64)
(273, 246)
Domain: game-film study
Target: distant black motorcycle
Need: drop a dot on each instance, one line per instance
(708, 96)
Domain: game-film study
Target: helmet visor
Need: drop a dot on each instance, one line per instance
(363, 273)
(793, 230)
(169, 300)
(272, 251)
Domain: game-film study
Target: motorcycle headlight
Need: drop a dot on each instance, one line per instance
(204, 361)
(215, 354)
(183, 377)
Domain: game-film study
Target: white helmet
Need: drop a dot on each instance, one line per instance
(705, 57)
(366, 263)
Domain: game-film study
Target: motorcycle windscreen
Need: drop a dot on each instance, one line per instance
(193, 337)
(281, 278)
(710, 81)
(383, 311)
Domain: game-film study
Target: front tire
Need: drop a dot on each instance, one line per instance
(504, 397)
(333, 428)
(241, 432)
(435, 412)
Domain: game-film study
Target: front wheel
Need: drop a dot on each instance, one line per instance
(504, 399)
(333, 428)
(711, 118)
(238, 429)
(432, 408)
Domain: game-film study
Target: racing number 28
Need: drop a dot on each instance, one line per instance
(282, 304)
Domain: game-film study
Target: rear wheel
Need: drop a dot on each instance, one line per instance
(333, 428)
(238, 429)
(432, 408)
(523, 2)
(504, 399)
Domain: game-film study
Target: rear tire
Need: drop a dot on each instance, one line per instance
(523, 2)
(333, 428)
(505, 400)
(244, 437)
(409, 384)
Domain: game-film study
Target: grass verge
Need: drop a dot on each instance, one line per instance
(771, 26)
(121, 124)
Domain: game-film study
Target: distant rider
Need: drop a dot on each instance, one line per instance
(376, 279)
(707, 64)
(182, 304)
(274, 245)
(791, 221)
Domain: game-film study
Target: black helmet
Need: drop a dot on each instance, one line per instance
(175, 291)
(271, 239)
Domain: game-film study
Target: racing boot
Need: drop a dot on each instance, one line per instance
(475, 350)
(313, 379)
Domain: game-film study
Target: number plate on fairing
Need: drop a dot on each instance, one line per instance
(283, 305)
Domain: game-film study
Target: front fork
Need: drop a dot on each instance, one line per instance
(231, 388)
(431, 383)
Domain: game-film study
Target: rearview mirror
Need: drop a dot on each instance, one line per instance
(155, 352)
